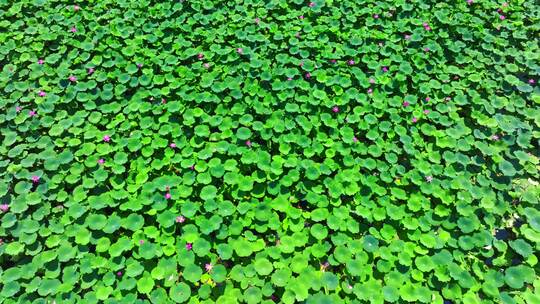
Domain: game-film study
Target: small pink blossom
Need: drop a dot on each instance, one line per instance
(189, 246)
(101, 161)
(206, 65)
(35, 179)
(349, 286)
(448, 98)
(531, 81)
(72, 78)
(301, 17)
(119, 273)
(192, 167)
(76, 7)
(354, 139)
(42, 94)
(4, 207)
(257, 20)
(90, 71)
(414, 119)
(297, 35)
(172, 145)
(429, 178)
(311, 4)
(167, 195)
(139, 65)
(495, 137)
(141, 242)
(426, 49)
(427, 99)
(502, 17)
(180, 219)
(376, 16)
(208, 267)
(351, 62)
(370, 90)
(200, 56)
(385, 69)
(18, 109)
(469, 2)
(289, 78)
(335, 109)
(41, 61)
(240, 50)
(407, 37)
(308, 75)
(426, 112)
(73, 29)
(505, 4)
(371, 80)
(406, 104)
(106, 138)
(333, 61)
(301, 64)
(32, 113)
(248, 143)
(424, 24)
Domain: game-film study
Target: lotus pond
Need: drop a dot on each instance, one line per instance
(251, 151)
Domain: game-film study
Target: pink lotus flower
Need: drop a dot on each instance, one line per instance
(448, 98)
(370, 90)
(426, 49)
(41, 61)
(76, 7)
(376, 16)
(208, 267)
(335, 109)
(101, 161)
(139, 65)
(469, 2)
(4, 207)
(426, 112)
(119, 273)
(42, 94)
(206, 65)
(72, 78)
(424, 24)
(90, 71)
(289, 78)
(354, 139)
(172, 145)
(505, 4)
(257, 20)
(407, 37)
(167, 195)
(18, 109)
(308, 75)
(141, 242)
(32, 113)
(429, 178)
(106, 138)
(406, 104)
(351, 62)
(311, 4)
(248, 143)
(180, 219)
(531, 81)
(297, 35)
(189, 246)
(35, 179)
(502, 17)
(414, 119)
(427, 99)
(385, 69)
(192, 167)
(371, 80)
(333, 61)
(240, 50)
(200, 56)
(73, 29)
(301, 17)
(495, 137)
